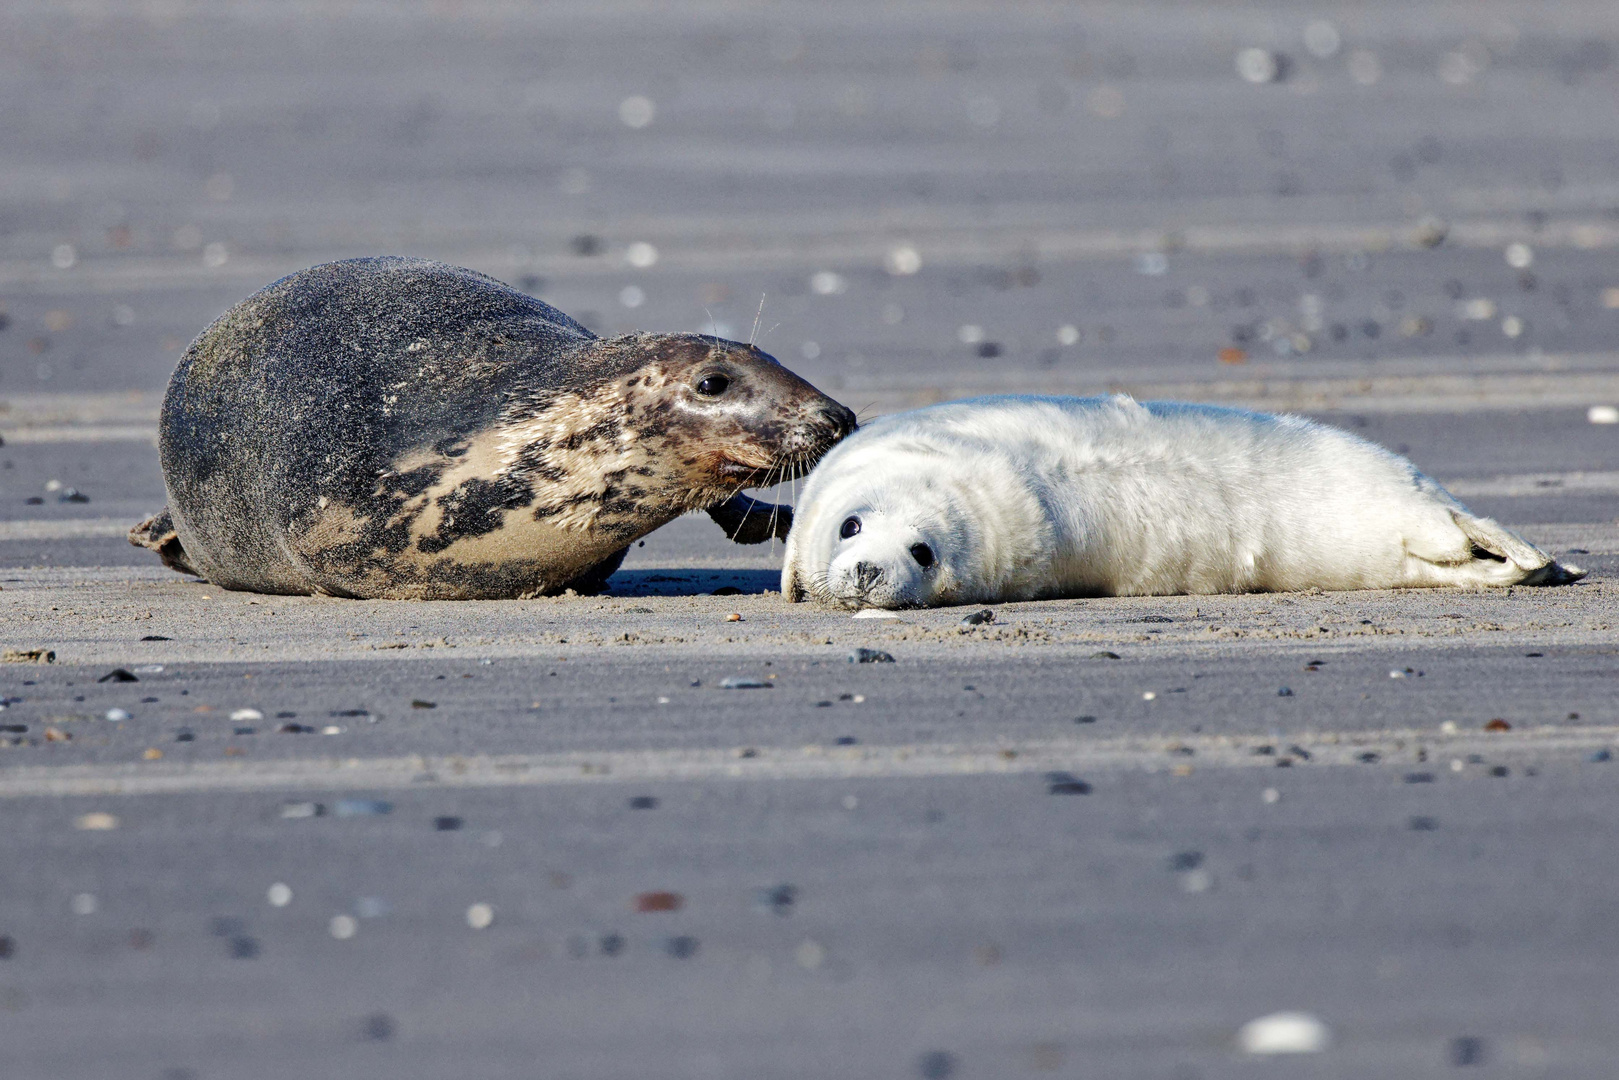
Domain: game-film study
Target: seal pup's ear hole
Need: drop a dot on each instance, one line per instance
(850, 527)
(713, 385)
(923, 555)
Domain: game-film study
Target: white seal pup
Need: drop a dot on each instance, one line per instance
(1022, 498)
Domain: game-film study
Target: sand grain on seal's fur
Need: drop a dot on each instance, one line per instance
(1019, 498)
(401, 428)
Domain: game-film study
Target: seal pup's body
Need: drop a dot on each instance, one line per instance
(401, 428)
(1022, 498)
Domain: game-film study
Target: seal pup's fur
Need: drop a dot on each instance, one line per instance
(1022, 498)
(405, 429)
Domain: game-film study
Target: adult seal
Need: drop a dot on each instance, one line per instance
(405, 429)
(1024, 498)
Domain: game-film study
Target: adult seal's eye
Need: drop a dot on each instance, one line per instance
(713, 385)
(850, 528)
(922, 554)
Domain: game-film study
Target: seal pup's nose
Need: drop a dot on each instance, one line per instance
(866, 575)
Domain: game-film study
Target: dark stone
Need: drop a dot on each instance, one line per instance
(447, 823)
(118, 675)
(644, 802)
(870, 656)
(1467, 1050)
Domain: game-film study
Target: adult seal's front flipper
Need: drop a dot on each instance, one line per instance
(157, 533)
(749, 521)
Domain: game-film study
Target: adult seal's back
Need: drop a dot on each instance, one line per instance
(401, 428)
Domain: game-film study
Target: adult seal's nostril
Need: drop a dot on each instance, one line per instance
(841, 418)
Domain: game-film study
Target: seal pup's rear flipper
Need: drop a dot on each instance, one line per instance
(749, 521)
(157, 533)
(1539, 567)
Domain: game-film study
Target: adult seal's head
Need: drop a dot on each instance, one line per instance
(402, 428)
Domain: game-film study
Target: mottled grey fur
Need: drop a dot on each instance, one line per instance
(401, 428)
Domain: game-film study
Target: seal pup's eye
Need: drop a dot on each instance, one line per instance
(850, 527)
(713, 385)
(922, 554)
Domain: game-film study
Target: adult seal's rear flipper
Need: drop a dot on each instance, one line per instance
(157, 533)
(749, 521)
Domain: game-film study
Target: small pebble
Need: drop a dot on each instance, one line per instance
(1065, 783)
(362, 807)
(1602, 414)
(242, 716)
(1105, 655)
(117, 715)
(118, 675)
(873, 613)
(1498, 724)
(644, 802)
(810, 954)
(1259, 66)
(1419, 777)
(735, 616)
(1149, 695)
(649, 902)
(480, 916)
(343, 927)
(95, 822)
(418, 703)
(1087, 719)
(741, 682)
(302, 810)
(447, 823)
(1467, 1050)
(1196, 881)
(778, 899)
(979, 618)
(1423, 824)
(1599, 755)
(870, 656)
(1284, 692)
(279, 894)
(1284, 1033)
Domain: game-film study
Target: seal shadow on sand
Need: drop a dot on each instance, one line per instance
(686, 582)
